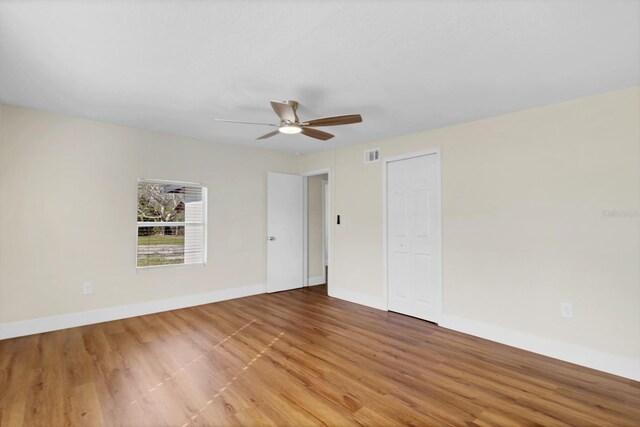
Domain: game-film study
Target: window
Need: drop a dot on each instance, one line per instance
(171, 223)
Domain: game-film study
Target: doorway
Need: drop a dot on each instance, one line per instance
(413, 249)
(298, 231)
(317, 230)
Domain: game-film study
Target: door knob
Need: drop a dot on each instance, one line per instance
(272, 238)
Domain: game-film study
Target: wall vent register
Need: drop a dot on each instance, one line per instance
(371, 156)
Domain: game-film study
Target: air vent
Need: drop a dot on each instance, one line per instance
(371, 156)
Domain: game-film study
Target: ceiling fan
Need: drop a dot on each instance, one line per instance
(290, 124)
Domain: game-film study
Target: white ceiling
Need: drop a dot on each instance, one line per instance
(173, 66)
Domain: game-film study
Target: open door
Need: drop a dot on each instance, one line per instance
(285, 244)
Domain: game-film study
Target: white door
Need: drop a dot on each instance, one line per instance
(285, 213)
(413, 237)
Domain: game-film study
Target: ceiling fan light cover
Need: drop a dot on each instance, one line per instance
(290, 129)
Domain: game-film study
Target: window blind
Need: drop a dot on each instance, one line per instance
(171, 223)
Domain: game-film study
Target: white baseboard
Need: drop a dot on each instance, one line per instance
(358, 298)
(53, 323)
(317, 280)
(613, 364)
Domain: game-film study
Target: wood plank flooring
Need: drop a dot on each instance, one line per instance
(294, 358)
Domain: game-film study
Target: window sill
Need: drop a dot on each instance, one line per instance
(169, 267)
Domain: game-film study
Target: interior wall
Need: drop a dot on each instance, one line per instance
(71, 185)
(539, 207)
(316, 228)
(527, 224)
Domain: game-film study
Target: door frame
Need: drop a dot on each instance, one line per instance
(326, 222)
(385, 252)
(305, 268)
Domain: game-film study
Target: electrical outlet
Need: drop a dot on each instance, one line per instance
(87, 288)
(566, 309)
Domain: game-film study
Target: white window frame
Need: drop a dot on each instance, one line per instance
(205, 203)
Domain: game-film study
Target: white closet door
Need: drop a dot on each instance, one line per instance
(413, 237)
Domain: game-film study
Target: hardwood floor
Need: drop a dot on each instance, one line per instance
(321, 289)
(294, 358)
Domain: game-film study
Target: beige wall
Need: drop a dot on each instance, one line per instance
(315, 225)
(523, 228)
(70, 185)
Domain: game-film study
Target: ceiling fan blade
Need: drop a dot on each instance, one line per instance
(285, 111)
(334, 121)
(317, 134)
(246, 123)
(269, 135)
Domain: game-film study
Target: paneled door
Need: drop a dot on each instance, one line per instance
(413, 236)
(285, 229)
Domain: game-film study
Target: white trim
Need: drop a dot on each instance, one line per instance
(168, 266)
(204, 223)
(385, 252)
(305, 230)
(316, 280)
(312, 281)
(165, 181)
(167, 224)
(606, 362)
(384, 163)
(315, 172)
(358, 298)
(64, 321)
(325, 227)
